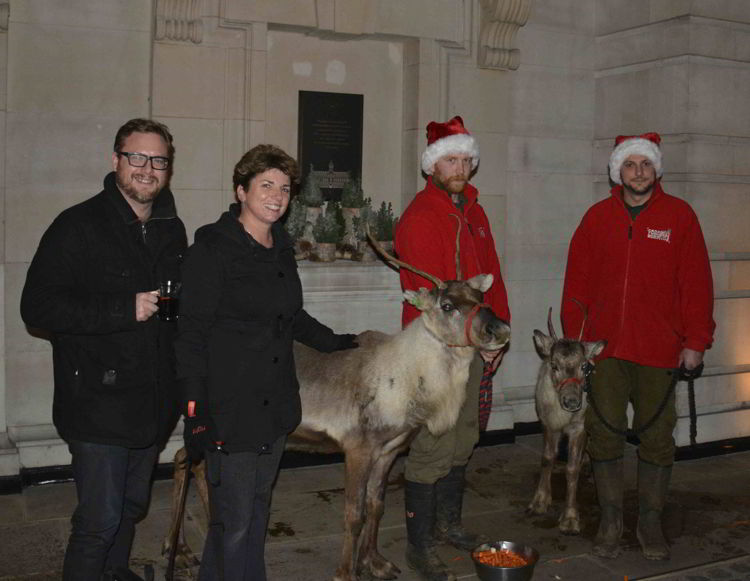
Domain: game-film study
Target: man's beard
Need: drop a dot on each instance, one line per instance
(454, 184)
(639, 190)
(141, 196)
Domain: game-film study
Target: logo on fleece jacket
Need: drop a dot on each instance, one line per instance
(659, 234)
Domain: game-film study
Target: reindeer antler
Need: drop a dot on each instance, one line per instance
(458, 248)
(550, 326)
(392, 259)
(585, 316)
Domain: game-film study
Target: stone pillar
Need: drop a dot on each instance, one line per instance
(8, 454)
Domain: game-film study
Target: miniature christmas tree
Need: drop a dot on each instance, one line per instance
(329, 227)
(384, 222)
(352, 195)
(296, 218)
(311, 195)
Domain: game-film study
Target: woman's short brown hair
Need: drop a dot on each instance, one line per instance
(262, 158)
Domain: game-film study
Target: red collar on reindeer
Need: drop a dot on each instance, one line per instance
(467, 325)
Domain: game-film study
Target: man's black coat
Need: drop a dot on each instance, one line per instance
(114, 376)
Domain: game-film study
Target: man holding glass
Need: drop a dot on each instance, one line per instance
(92, 285)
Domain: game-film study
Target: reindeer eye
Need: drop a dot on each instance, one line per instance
(447, 307)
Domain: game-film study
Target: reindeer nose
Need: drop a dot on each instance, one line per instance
(498, 328)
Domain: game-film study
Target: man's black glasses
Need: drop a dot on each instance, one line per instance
(140, 160)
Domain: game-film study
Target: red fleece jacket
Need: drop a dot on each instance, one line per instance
(646, 282)
(426, 239)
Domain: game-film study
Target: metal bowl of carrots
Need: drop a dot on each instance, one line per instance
(504, 561)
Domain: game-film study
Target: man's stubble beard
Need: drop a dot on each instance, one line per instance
(139, 196)
(637, 193)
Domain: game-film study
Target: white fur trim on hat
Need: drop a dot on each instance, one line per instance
(634, 146)
(456, 143)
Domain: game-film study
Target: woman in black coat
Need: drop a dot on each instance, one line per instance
(240, 311)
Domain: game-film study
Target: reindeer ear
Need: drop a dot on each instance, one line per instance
(543, 344)
(418, 298)
(594, 348)
(481, 282)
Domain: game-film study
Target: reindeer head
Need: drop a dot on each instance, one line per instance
(454, 311)
(564, 362)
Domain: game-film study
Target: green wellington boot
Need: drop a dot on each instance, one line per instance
(608, 477)
(421, 555)
(653, 483)
(450, 496)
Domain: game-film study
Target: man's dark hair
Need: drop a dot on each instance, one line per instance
(144, 126)
(262, 158)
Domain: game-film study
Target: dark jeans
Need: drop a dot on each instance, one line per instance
(240, 504)
(113, 486)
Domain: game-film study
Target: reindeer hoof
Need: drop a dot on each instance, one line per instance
(378, 567)
(570, 526)
(538, 507)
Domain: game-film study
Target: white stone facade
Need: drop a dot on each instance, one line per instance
(545, 85)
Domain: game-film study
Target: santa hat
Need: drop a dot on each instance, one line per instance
(646, 145)
(446, 138)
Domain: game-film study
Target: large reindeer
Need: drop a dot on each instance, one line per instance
(369, 402)
(561, 405)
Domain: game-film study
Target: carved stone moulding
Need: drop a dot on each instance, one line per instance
(500, 22)
(179, 20)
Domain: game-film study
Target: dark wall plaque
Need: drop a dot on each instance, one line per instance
(330, 139)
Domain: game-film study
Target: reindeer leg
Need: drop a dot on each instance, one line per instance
(543, 495)
(177, 551)
(358, 465)
(199, 476)
(369, 557)
(570, 520)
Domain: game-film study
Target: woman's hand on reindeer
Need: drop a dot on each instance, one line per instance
(690, 358)
(346, 341)
(493, 357)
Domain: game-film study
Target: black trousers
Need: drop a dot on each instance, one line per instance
(239, 493)
(113, 485)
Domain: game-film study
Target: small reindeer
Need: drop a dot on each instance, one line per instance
(560, 405)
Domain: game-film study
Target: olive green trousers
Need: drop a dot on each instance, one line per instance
(616, 383)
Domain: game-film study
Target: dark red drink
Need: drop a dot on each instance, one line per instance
(168, 308)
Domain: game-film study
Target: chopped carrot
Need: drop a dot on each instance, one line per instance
(501, 558)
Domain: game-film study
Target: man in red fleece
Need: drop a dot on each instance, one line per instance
(426, 238)
(638, 264)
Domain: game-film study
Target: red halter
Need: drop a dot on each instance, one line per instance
(566, 381)
(467, 325)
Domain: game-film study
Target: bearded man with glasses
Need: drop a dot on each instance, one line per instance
(91, 288)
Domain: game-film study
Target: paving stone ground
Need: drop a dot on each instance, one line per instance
(707, 521)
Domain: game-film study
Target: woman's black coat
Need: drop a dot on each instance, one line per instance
(240, 310)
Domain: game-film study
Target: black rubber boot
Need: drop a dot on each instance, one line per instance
(420, 528)
(450, 496)
(653, 483)
(608, 477)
